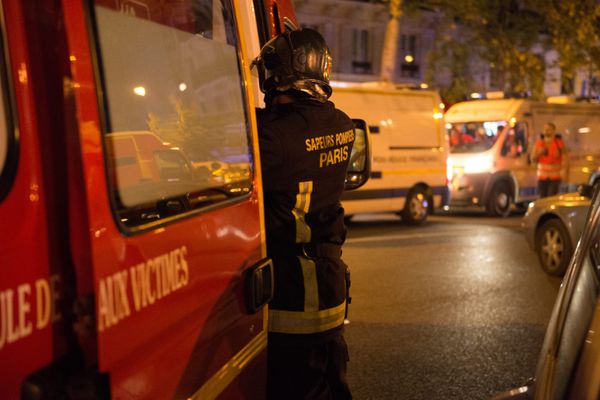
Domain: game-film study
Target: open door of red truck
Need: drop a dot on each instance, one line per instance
(132, 240)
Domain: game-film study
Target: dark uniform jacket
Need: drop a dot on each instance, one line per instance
(305, 147)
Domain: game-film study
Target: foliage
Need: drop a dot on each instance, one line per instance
(575, 32)
(510, 37)
(498, 33)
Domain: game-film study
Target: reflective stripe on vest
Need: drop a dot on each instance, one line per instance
(548, 171)
(550, 164)
(305, 322)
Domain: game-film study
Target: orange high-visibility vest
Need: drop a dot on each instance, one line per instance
(550, 164)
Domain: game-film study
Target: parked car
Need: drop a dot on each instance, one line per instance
(569, 363)
(552, 226)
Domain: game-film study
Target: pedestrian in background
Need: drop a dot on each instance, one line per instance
(305, 143)
(549, 153)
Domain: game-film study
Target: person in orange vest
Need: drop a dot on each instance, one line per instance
(549, 153)
(459, 137)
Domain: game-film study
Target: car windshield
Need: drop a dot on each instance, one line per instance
(473, 137)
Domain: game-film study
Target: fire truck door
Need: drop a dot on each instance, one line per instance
(173, 197)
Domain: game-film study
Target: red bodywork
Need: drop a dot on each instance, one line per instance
(62, 250)
(280, 13)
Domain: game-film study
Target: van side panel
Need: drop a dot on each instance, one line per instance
(579, 126)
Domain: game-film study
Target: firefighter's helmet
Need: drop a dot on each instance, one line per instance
(297, 60)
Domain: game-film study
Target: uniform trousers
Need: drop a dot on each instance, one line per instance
(315, 371)
(548, 187)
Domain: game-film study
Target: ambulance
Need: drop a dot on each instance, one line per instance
(409, 149)
(493, 167)
(126, 271)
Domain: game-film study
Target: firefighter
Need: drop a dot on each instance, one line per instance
(305, 144)
(549, 152)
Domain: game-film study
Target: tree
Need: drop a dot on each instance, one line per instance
(509, 38)
(390, 45)
(501, 34)
(575, 34)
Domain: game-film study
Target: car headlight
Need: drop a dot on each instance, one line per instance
(477, 164)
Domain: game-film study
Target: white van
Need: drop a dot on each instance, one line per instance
(409, 149)
(495, 170)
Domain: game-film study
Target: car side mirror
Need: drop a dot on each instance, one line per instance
(586, 190)
(359, 165)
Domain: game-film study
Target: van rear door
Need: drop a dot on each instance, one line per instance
(177, 257)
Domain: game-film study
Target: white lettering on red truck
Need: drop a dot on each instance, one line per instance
(144, 283)
(27, 308)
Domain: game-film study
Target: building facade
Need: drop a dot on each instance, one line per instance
(355, 32)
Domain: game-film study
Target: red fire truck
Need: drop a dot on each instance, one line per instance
(129, 267)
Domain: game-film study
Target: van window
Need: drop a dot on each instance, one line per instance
(515, 141)
(177, 134)
(8, 138)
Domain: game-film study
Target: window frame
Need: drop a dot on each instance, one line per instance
(362, 63)
(9, 168)
(105, 127)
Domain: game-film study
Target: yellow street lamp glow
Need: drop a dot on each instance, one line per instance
(424, 86)
(408, 58)
(182, 87)
(512, 122)
(442, 106)
(438, 115)
(139, 90)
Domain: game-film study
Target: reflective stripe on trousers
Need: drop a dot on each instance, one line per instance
(305, 322)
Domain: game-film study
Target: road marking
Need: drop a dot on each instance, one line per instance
(408, 236)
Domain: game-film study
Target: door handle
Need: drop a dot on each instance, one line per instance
(259, 285)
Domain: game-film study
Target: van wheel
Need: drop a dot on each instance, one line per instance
(554, 247)
(416, 208)
(500, 200)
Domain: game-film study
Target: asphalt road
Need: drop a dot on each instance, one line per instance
(454, 309)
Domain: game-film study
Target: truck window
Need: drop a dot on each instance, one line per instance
(8, 138)
(176, 129)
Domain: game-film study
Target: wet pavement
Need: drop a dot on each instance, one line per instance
(454, 309)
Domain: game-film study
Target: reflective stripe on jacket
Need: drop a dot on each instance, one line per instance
(305, 148)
